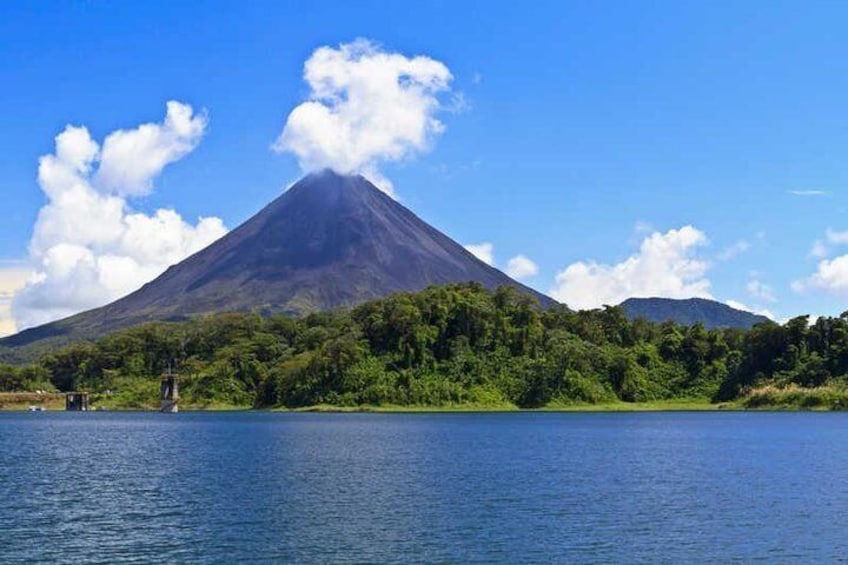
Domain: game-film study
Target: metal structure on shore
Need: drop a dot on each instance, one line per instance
(77, 402)
(169, 393)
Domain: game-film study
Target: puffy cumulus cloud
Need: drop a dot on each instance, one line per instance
(666, 265)
(88, 246)
(831, 276)
(131, 159)
(521, 267)
(366, 106)
(13, 277)
(484, 251)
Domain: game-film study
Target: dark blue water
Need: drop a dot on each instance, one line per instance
(255, 487)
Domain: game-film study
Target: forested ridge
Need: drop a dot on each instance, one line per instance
(452, 345)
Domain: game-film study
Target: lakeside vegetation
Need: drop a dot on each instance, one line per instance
(455, 347)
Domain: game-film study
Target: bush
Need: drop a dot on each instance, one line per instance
(831, 397)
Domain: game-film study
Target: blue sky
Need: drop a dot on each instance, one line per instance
(586, 127)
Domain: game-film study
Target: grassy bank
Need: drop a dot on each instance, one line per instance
(673, 405)
(393, 408)
(120, 402)
(770, 397)
(677, 405)
(793, 397)
(21, 401)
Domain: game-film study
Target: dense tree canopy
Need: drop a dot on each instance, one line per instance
(455, 344)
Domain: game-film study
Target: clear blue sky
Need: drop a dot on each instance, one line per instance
(584, 119)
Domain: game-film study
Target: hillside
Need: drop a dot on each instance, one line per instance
(452, 346)
(709, 313)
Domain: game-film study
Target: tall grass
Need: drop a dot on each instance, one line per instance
(828, 397)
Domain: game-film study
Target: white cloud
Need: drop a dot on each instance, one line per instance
(808, 192)
(734, 250)
(366, 106)
(745, 308)
(738, 305)
(13, 277)
(131, 159)
(484, 251)
(642, 227)
(760, 290)
(831, 276)
(819, 250)
(88, 246)
(833, 238)
(457, 104)
(521, 267)
(836, 237)
(666, 265)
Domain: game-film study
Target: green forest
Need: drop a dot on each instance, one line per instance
(452, 346)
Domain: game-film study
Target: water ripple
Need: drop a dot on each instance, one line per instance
(304, 488)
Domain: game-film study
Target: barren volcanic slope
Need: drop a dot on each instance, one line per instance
(329, 241)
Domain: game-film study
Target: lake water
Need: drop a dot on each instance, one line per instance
(260, 487)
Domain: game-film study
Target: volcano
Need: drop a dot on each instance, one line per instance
(330, 241)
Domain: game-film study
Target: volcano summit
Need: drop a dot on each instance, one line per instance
(329, 241)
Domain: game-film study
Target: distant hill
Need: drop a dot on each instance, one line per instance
(329, 241)
(710, 313)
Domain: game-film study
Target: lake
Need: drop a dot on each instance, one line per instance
(523, 487)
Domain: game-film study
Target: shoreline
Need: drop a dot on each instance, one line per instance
(52, 402)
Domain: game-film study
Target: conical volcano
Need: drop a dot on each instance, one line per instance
(327, 242)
